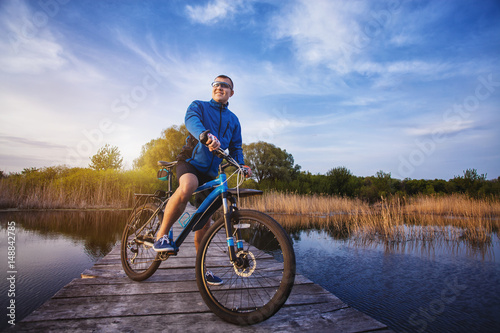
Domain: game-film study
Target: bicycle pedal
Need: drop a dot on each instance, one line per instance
(166, 255)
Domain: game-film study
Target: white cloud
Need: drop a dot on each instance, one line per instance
(340, 96)
(322, 32)
(27, 47)
(34, 57)
(214, 11)
(443, 128)
(346, 36)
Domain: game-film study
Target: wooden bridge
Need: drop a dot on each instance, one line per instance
(104, 299)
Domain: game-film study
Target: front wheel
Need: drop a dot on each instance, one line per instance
(256, 286)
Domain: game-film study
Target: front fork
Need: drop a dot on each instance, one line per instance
(228, 211)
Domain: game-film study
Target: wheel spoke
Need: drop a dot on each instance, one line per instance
(139, 260)
(253, 287)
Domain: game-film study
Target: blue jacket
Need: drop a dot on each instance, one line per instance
(222, 123)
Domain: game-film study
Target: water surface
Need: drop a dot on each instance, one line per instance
(411, 287)
(52, 248)
(439, 287)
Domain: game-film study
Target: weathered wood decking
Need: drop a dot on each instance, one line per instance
(105, 300)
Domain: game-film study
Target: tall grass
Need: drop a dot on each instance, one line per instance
(75, 188)
(398, 219)
(315, 204)
(453, 205)
(423, 218)
(450, 205)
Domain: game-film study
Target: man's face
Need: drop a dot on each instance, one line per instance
(221, 94)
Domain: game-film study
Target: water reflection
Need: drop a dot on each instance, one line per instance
(394, 282)
(98, 230)
(429, 285)
(53, 248)
(435, 234)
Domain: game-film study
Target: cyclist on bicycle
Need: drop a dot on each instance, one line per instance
(196, 163)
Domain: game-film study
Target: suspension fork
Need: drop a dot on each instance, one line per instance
(228, 211)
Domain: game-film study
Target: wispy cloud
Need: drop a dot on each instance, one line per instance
(26, 48)
(328, 35)
(443, 128)
(332, 82)
(214, 11)
(357, 36)
(29, 142)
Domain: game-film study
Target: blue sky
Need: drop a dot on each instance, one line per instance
(411, 88)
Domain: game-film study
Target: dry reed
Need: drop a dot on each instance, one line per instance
(291, 203)
(425, 219)
(453, 205)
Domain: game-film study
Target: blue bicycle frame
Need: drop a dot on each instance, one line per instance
(216, 198)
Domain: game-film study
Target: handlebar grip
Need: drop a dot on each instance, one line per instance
(204, 137)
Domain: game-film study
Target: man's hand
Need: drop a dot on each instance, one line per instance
(247, 171)
(213, 143)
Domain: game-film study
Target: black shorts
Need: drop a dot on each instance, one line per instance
(184, 167)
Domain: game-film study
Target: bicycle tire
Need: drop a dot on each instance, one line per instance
(139, 260)
(257, 290)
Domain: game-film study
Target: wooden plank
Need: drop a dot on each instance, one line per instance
(301, 293)
(322, 318)
(168, 298)
(174, 275)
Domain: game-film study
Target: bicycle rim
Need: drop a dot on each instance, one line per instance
(139, 260)
(255, 289)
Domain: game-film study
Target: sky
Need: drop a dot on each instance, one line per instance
(410, 88)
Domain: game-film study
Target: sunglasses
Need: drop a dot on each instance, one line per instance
(218, 84)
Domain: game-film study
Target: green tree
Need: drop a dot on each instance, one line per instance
(470, 182)
(106, 158)
(164, 148)
(383, 183)
(339, 180)
(270, 163)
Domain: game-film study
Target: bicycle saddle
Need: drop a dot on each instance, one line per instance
(167, 164)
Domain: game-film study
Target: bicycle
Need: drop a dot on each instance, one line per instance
(248, 249)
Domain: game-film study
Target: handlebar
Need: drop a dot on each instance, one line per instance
(221, 153)
(204, 137)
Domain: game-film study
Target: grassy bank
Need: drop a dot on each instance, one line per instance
(452, 205)
(59, 187)
(398, 219)
(422, 218)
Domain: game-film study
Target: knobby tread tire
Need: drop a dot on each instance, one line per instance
(151, 258)
(259, 231)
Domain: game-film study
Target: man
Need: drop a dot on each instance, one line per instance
(196, 163)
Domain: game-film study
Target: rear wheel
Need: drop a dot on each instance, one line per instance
(257, 285)
(139, 260)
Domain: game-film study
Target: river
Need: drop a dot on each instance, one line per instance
(431, 287)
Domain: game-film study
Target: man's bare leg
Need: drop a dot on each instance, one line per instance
(198, 235)
(177, 203)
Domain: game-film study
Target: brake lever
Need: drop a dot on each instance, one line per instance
(219, 153)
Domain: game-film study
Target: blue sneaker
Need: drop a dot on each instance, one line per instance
(212, 279)
(163, 245)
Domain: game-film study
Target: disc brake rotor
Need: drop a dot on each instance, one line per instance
(248, 266)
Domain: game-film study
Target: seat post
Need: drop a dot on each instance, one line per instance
(170, 180)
